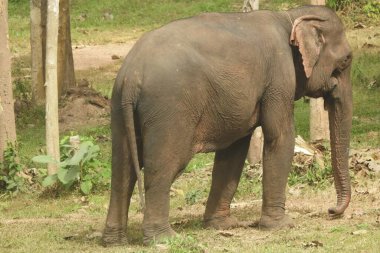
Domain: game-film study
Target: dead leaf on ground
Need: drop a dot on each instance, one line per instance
(180, 222)
(226, 233)
(369, 45)
(312, 244)
(115, 57)
(359, 26)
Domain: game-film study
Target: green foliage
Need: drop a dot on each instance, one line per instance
(193, 196)
(366, 85)
(314, 175)
(372, 9)
(200, 161)
(10, 169)
(339, 4)
(78, 166)
(312, 170)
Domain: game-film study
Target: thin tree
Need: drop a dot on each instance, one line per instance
(66, 74)
(52, 130)
(37, 44)
(319, 124)
(7, 116)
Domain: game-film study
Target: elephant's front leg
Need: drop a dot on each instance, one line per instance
(278, 127)
(226, 174)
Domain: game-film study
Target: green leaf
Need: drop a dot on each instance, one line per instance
(68, 176)
(78, 156)
(91, 153)
(86, 187)
(49, 180)
(43, 159)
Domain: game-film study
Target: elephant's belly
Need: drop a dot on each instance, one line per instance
(215, 134)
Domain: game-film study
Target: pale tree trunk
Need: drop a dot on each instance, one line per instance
(319, 124)
(66, 74)
(250, 5)
(52, 130)
(7, 116)
(255, 151)
(318, 2)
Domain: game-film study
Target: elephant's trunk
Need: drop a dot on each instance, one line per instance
(340, 120)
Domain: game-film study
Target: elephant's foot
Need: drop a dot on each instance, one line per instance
(158, 234)
(271, 223)
(225, 222)
(114, 237)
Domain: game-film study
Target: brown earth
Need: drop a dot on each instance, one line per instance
(83, 106)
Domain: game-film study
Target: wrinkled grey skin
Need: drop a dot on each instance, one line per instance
(204, 84)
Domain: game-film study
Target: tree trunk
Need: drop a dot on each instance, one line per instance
(250, 5)
(318, 2)
(319, 120)
(7, 116)
(319, 124)
(255, 151)
(66, 74)
(52, 130)
(37, 42)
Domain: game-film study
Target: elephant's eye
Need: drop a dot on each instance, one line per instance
(344, 62)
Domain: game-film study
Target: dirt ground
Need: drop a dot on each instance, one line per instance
(96, 56)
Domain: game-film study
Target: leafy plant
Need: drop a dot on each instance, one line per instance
(372, 9)
(10, 171)
(311, 173)
(79, 164)
(339, 4)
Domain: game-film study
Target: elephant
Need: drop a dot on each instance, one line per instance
(203, 84)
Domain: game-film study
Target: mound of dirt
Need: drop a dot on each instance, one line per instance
(83, 106)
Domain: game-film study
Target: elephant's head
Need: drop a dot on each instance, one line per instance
(318, 36)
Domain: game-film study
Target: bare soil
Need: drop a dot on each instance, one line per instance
(86, 57)
(83, 106)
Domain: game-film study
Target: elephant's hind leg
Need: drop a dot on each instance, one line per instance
(123, 181)
(166, 153)
(226, 174)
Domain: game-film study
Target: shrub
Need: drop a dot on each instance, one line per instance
(10, 171)
(79, 165)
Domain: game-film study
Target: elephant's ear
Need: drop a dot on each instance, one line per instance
(307, 35)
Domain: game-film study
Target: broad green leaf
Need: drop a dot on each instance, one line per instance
(61, 175)
(49, 180)
(86, 187)
(67, 176)
(43, 159)
(78, 156)
(11, 185)
(72, 174)
(92, 153)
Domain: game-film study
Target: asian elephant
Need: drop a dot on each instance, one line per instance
(203, 84)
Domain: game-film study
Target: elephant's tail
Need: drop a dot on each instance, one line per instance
(132, 142)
